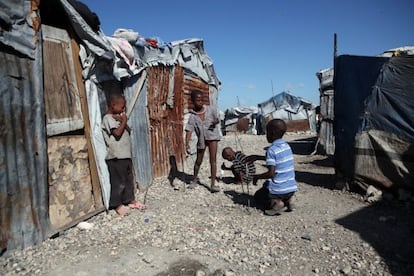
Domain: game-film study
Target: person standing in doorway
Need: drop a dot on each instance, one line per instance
(116, 133)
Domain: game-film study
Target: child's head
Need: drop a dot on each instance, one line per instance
(116, 103)
(228, 153)
(197, 98)
(275, 129)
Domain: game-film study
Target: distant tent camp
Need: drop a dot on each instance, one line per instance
(296, 111)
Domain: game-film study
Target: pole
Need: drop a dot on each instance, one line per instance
(273, 92)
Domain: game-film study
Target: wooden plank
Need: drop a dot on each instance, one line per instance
(62, 104)
(69, 180)
(96, 187)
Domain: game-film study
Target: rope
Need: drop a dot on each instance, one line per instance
(238, 143)
(247, 184)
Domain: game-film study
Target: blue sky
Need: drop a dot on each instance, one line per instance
(262, 48)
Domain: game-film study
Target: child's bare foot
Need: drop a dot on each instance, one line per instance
(275, 209)
(214, 188)
(136, 205)
(122, 210)
(290, 207)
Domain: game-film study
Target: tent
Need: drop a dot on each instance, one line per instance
(240, 119)
(374, 121)
(296, 111)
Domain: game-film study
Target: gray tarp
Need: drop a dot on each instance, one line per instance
(285, 106)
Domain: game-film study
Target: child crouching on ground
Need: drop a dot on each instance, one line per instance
(116, 133)
(280, 185)
(243, 167)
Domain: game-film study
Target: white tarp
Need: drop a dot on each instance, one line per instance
(286, 106)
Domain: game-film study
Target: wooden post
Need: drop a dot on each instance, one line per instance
(96, 187)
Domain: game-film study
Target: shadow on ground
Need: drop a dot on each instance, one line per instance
(185, 267)
(316, 179)
(303, 146)
(388, 226)
(327, 162)
(175, 173)
(243, 198)
(227, 180)
(190, 267)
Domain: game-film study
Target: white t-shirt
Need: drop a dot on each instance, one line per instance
(120, 149)
(203, 129)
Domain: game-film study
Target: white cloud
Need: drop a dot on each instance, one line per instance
(249, 86)
(293, 86)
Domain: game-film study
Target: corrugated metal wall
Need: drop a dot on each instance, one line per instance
(139, 122)
(326, 137)
(193, 83)
(166, 122)
(24, 217)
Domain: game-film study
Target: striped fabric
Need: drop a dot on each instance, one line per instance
(240, 164)
(280, 156)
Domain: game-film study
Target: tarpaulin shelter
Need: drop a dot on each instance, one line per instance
(296, 111)
(57, 67)
(374, 120)
(240, 118)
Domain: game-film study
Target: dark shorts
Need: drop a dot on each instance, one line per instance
(263, 198)
(282, 197)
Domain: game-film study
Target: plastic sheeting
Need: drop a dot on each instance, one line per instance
(232, 115)
(97, 139)
(373, 93)
(285, 106)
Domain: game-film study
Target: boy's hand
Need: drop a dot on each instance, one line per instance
(255, 180)
(223, 166)
(122, 117)
(188, 149)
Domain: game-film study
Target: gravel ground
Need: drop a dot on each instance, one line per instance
(195, 232)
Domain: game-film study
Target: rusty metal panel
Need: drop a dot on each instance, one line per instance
(193, 83)
(298, 125)
(24, 218)
(166, 122)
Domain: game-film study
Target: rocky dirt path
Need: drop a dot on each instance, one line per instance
(194, 232)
